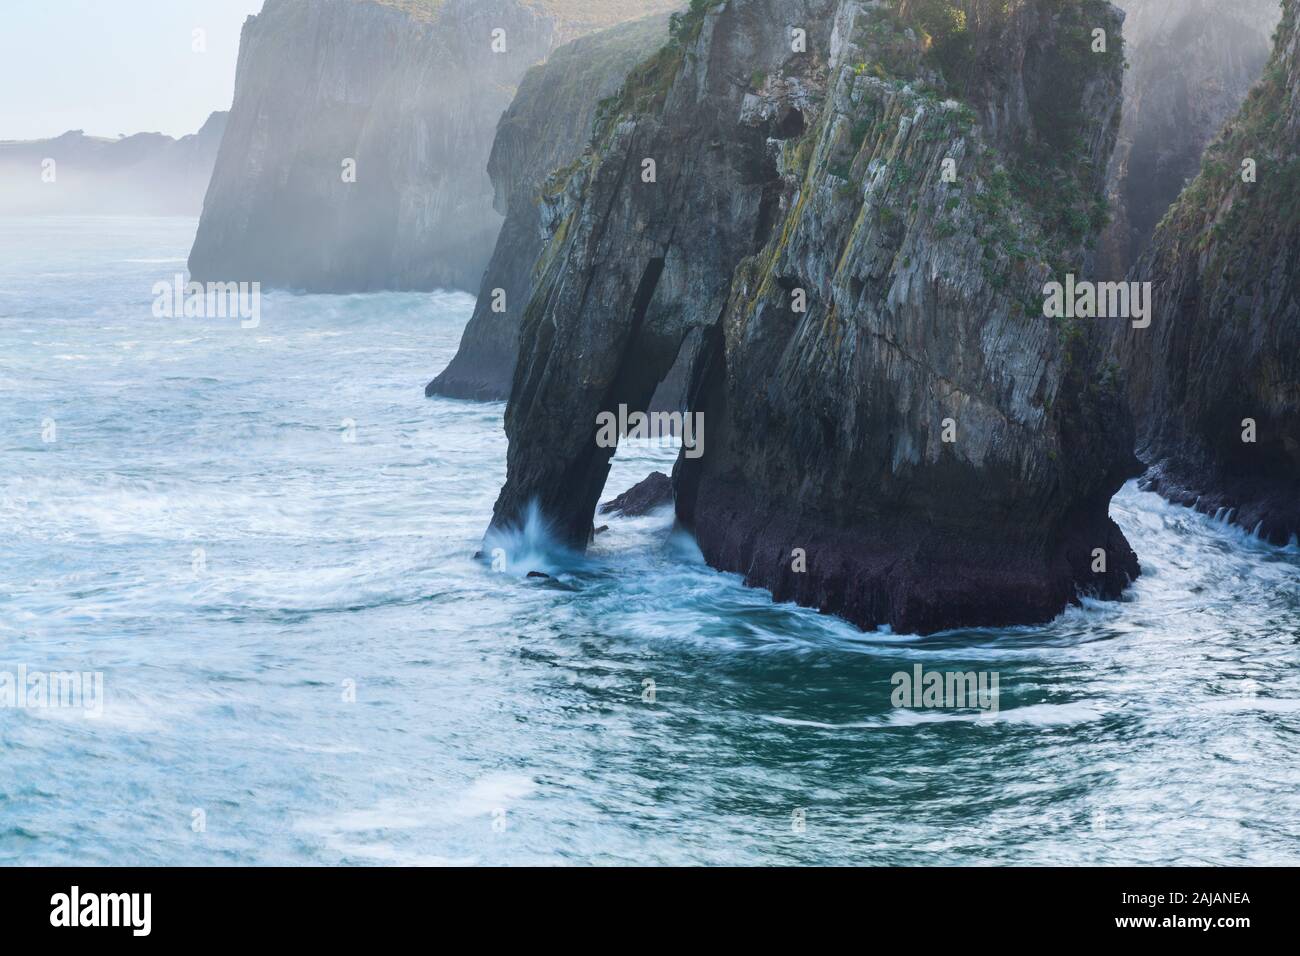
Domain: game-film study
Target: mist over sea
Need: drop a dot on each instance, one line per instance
(262, 538)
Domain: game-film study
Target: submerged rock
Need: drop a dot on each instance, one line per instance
(651, 492)
(844, 213)
(356, 150)
(1215, 380)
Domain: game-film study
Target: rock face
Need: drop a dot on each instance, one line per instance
(147, 174)
(545, 129)
(893, 431)
(1191, 63)
(411, 91)
(1222, 354)
(653, 491)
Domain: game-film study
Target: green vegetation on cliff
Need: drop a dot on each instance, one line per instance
(839, 245)
(1258, 133)
(1222, 353)
(1039, 197)
(647, 85)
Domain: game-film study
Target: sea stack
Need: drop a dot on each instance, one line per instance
(843, 214)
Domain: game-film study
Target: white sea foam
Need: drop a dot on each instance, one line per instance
(341, 682)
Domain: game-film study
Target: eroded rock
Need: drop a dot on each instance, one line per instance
(546, 128)
(893, 430)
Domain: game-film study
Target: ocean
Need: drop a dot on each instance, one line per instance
(262, 540)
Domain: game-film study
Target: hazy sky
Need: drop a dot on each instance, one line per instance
(116, 66)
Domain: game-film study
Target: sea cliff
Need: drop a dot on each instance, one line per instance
(358, 140)
(546, 128)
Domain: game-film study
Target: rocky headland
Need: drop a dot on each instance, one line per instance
(145, 174)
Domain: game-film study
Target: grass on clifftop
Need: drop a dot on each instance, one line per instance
(597, 14)
(417, 9)
(581, 16)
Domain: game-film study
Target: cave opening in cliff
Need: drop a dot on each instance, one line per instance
(790, 125)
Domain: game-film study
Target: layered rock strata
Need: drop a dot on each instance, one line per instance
(545, 129)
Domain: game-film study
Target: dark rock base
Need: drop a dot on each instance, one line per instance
(916, 581)
(1269, 507)
(454, 383)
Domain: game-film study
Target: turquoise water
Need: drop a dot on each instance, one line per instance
(201, 531)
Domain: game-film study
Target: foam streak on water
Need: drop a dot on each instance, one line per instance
(498, 718)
